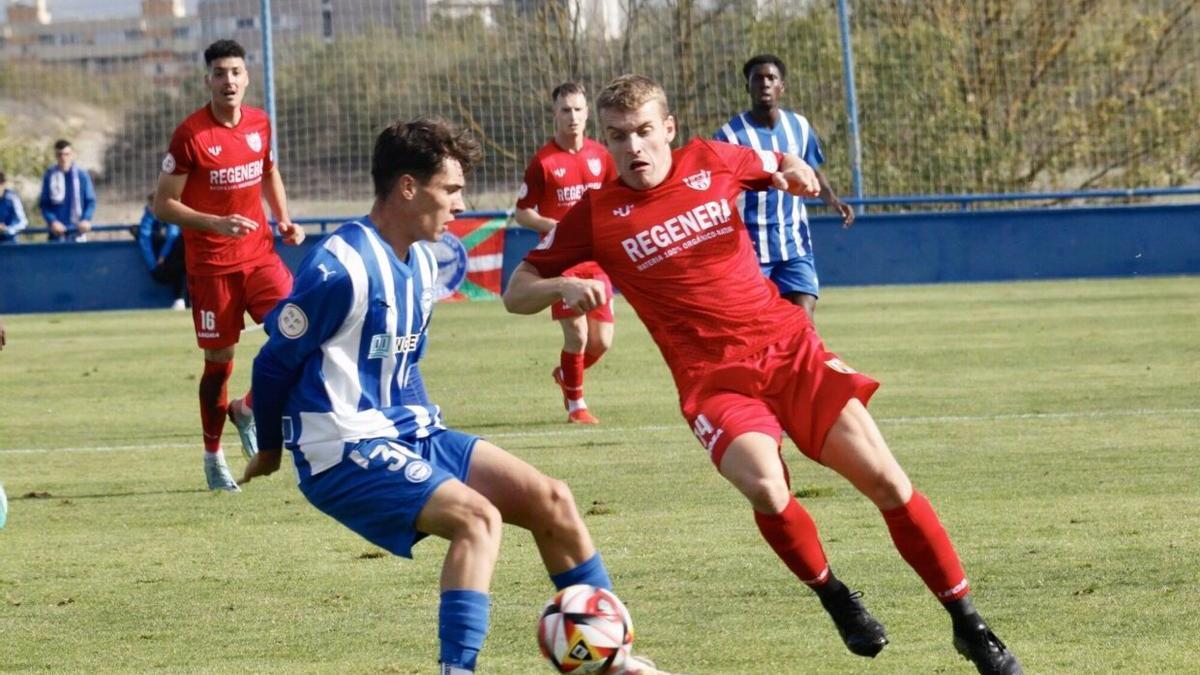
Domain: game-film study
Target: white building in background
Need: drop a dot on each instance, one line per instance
(161, 42)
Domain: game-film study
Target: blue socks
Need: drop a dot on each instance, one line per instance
(591, 572)
(462, 626)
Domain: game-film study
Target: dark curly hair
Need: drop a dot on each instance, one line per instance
(418, 148)
(762, 59)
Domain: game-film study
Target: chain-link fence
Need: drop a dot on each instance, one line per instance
(954, 96)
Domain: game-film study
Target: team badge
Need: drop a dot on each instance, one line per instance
(418, 471)
(594, 166)
(700, 181)
(451, 256)
(840, 366)
(168, 163)
(559, 172)
(523, 191)
(254, 141)
(293, 322)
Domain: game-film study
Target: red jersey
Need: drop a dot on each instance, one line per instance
(681, 256)
(556, 179)
(225, 169)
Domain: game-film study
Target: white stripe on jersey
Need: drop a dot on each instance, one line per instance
(764, 251)
(780, 197)
(340, 362)
(796, 203)
(388, 363)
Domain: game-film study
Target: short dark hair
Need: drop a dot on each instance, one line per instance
(61, 144)
(418, 148)
(763, 59)
(223, 49)
(566, 89)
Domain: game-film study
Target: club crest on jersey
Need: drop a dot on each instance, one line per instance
(214, 150)
(699, 181)
(559, 172)
(623, 211)
(254, 141)
(523, 191)
(168, 163)
(293, 322)
(594, 166)
(384, 345)
(840, 366)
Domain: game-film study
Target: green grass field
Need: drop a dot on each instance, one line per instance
(1054, 426)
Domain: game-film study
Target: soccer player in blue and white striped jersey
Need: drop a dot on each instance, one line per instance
(778, 221)
(338, 383)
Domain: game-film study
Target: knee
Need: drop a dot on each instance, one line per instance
(888, 490)
(598, 343)
(558, 503)
(767, 494)
(479, 521)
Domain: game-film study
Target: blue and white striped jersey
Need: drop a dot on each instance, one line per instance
(777, 221)
(340, 362)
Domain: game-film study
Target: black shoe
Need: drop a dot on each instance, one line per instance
(860, 631)
(981, 646)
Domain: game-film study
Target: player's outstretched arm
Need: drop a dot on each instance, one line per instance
(797, 177)
(529, 293)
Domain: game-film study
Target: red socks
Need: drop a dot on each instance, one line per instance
(590, 359)
(792, 534)
(572, 375)
(925, 546)
(214, 402)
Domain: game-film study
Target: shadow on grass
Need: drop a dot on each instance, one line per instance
(33, 496)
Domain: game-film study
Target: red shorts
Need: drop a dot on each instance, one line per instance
(587, 270)
(219, 302)
(792, 386)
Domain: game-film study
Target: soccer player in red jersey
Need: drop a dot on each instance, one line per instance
(214, 177)
(562, 170)
(748, 365)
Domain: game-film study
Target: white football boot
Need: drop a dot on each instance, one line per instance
(244, 421)
(217, 473)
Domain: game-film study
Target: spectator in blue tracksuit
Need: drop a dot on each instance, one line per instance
(12, 213)
(68, 199)
(162, 250)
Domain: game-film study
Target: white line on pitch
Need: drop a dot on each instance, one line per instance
(680, 426)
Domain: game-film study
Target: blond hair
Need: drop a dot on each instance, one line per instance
(631, 92)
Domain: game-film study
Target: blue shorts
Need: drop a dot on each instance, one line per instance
(797, 275)
(381, 485)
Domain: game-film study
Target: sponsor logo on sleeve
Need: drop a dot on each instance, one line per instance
(840, 366)
(168, 163)
(523, 191)
(293, 322)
